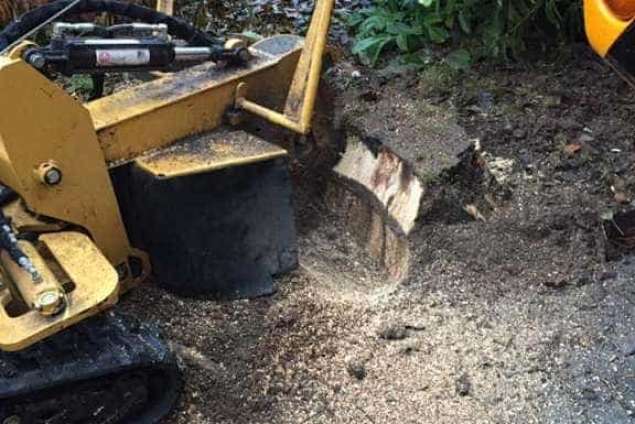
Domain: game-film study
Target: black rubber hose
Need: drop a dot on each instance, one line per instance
(6, 194)
(30, 20)
(8, 239)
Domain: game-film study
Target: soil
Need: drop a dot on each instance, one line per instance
(513, 318)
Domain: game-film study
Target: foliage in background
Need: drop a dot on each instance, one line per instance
(498, 29)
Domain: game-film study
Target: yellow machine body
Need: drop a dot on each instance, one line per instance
(81, 248)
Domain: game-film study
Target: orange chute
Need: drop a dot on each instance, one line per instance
(624, 9)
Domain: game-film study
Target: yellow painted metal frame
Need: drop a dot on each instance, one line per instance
(42, 124)
(298, 111)
(96, 289)
(165, 6)
(603, 26)
(156, 114)
(220, 149)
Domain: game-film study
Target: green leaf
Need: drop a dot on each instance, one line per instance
(491, 28)
(396, 28)
(464, 23)
(355, 19)
(373, 24)
(370, 48)
(402, 42)
(459, 60)
(438, 34)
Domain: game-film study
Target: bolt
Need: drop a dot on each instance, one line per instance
(53, 176)
(49, 173)
(37, 60)
(50, 302)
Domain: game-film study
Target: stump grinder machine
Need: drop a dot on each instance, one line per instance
(182, 175)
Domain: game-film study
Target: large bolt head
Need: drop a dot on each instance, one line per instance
(50, 302)
(37, 60)
(53, 176)
(49, 173)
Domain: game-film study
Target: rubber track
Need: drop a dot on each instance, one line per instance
(92, 351)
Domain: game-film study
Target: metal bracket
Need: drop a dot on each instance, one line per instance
(298, 111)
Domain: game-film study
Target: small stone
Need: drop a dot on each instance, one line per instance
(629, 348)
(572, 149)
(416, 326)
(589, 394)
(621, 197)
(584, 279)
(484, 323)
(411, 347)
(608, 275)
(393, 331)
(463, 385)
(519, 133)
(586, 138)
(556, 283)
(485, 101)
(356, 369)
(356, 74)
(552, 101)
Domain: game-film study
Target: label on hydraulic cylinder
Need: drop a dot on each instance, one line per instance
(122, 57)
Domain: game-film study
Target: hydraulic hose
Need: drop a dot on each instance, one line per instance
(32, 19)
(8, 239)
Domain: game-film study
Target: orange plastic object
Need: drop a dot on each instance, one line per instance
(603, 26)
(624, 9)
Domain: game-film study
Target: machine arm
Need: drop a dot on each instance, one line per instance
(298, 111)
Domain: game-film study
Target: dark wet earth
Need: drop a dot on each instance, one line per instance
(513, 318)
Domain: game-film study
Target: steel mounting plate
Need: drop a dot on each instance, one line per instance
(212, 151)
(94, 278)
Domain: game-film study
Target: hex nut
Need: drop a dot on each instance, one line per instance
(49, 173)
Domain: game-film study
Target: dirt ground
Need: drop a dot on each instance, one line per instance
(517, 318)
(514, 318)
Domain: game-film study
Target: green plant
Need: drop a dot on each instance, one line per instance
(79, 85)
(471, 28)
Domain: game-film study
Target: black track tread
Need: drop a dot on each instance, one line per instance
(96, 348)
